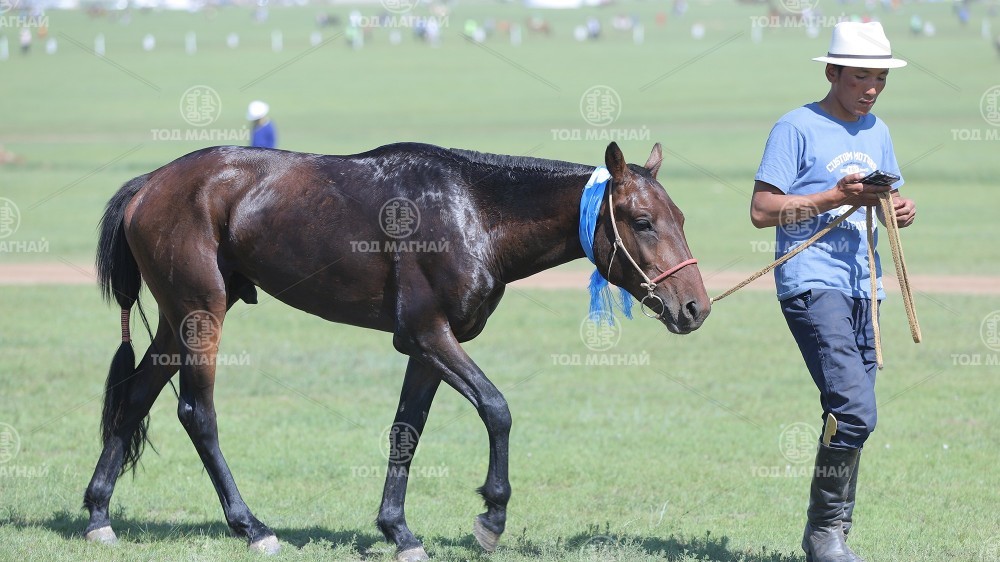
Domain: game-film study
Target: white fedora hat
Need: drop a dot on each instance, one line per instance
(257, 110)
(861, 45)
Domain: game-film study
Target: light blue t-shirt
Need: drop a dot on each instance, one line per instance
(807, 152)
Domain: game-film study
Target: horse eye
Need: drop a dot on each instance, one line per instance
(642, 224)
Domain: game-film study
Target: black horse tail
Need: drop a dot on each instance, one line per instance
(120, 281)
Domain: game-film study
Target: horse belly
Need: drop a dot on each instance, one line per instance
(326, 279)
(336, 296)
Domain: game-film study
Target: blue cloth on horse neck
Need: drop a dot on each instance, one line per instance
(602, 300)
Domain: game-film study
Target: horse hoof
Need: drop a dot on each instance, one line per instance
(266, 545)
(485, 537)
(104, 535)
(415, 554)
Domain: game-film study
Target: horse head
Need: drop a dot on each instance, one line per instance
(640, 245)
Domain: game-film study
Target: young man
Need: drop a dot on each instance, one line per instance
(809, 175)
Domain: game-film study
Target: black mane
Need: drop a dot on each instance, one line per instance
(516, 164)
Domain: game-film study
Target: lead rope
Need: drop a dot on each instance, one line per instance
(895, 246)
(792, 253)
(870, 227)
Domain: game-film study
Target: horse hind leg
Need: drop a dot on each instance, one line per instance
(201, 332)
(125, 428)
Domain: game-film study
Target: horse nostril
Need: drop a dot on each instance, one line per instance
(692, 308)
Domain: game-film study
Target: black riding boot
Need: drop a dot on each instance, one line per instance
(852, 489)
(823, 539)
(849, 500)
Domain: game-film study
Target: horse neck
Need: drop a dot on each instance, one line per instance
(539, 226)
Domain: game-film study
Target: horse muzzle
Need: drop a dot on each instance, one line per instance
(684, 317)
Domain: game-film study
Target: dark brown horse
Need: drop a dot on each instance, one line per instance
(411, 239)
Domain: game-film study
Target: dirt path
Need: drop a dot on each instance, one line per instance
(62, 273)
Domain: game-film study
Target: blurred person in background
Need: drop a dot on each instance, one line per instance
(25, 40)
(264, 133)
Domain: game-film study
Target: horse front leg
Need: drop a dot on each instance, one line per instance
(495, 492)
(437, 348)
(419, 387)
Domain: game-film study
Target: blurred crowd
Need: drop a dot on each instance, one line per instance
(25, 26)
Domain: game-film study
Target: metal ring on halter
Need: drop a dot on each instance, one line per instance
(642, 306)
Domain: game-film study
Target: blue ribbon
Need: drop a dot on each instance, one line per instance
(602, 300)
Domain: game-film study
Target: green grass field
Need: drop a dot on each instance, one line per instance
(680, 460)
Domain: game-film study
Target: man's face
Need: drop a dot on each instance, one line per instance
(855, 89)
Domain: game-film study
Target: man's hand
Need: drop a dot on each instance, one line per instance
(854, 193)
(906, 210)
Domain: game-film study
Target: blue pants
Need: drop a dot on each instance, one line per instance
(834, 333)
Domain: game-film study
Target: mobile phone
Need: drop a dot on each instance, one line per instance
(878, 177)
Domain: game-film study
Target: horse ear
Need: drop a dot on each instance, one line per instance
(614, 160)
(655, 159)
